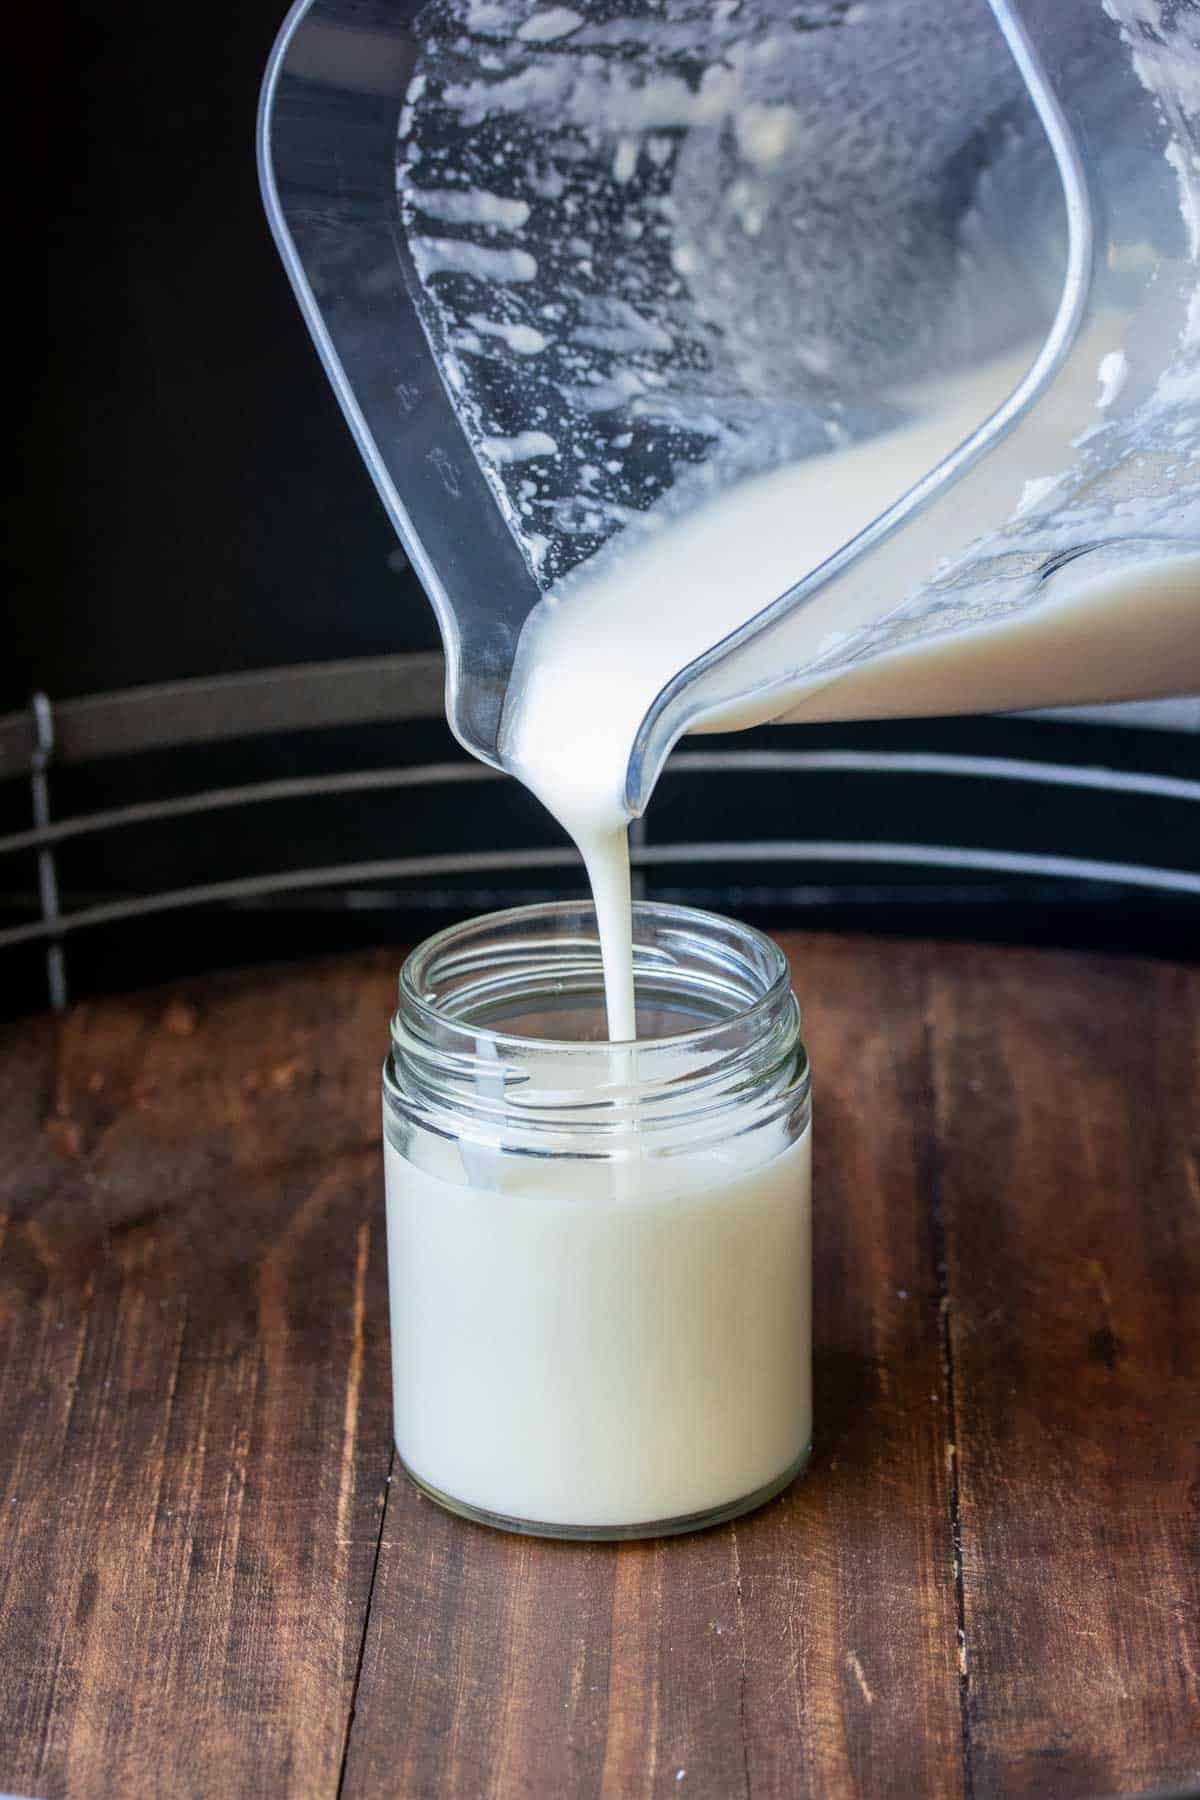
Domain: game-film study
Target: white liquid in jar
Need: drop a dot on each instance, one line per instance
(573, 1347)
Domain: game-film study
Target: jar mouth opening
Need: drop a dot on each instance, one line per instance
(542, 962)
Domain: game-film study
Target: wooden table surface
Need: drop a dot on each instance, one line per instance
(215, 1582)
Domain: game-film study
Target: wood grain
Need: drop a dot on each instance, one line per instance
(210, 1587)
(194, 1388)
(1069, 1151)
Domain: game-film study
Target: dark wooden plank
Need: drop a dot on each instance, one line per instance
(193, 1385)
(193, 1388)
(1069, 1135)
(808, 1650)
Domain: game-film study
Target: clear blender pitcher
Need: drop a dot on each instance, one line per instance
(575, 270)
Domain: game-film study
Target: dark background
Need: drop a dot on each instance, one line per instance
(187, 501)
(202, 506)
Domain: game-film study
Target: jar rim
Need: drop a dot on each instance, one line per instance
(415, 992)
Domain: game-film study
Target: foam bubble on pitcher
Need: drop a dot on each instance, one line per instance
(1112, 375)
(519, 449)
(544, 27)
(522, 340)
(456, 256)
(471, 206)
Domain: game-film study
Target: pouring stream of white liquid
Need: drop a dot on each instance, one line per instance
(590, 664)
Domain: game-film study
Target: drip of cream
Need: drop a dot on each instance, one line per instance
(592, 659)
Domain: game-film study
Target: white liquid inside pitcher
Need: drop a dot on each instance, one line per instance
(592, 660)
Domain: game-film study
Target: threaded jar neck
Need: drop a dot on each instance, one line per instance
(500, 1032)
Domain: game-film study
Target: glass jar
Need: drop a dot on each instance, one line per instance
(599, 1254)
